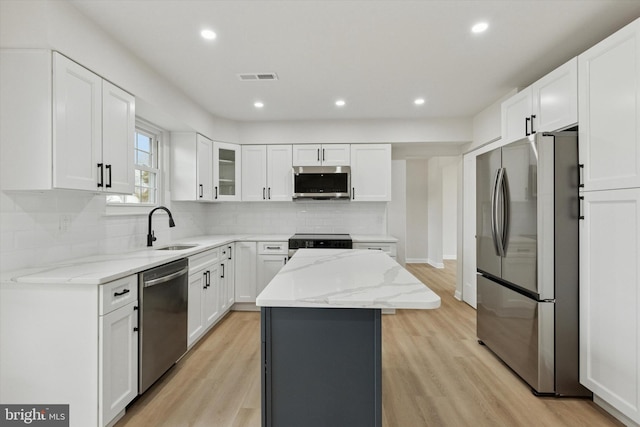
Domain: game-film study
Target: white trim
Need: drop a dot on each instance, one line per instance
(435, 264)
(450, 257)
(614, 412)
(416, 261)
(458, 295)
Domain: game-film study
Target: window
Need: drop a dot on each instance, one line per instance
(147, 168)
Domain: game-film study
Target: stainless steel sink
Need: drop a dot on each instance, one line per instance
(176, 247)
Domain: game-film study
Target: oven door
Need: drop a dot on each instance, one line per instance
(321, 182)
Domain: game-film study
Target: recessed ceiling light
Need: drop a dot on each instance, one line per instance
(418, 101)
(208, 34)
(258, 104)
(480, 27)
(340, 103)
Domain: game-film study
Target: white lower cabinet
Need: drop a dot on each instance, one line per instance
(85, 350)
(610, 298)
(227, 278)
(203, 308)
(118, 361)
(390, 248)
(272, 256)
(245, 272)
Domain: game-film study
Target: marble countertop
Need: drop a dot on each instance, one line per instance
(100, 269)
(342, 278)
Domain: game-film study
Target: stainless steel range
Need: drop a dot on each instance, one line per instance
(323, 241)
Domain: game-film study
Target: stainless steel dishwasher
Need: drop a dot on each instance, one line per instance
(163, 319)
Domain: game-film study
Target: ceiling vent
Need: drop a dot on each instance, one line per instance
(257, 76)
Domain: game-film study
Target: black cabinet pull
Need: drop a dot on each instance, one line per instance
(285, 260)
(269, 193)
(581, 175)
(229, 247)
(323, 154)
(101, 175)
(135, 329)
(353, 193)
(108, 167)
(318, 154)
(580, 207)
(201, 190)
(526, 126)
(533, 116)
(119, 294)
(216, 197)
(263, 193)
(135, 307)
(222, 277)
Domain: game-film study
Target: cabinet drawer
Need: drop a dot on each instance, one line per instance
(388, 248)
(196, 262)
(275, 248)
(118, 293)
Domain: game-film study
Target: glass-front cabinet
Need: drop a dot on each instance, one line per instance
(226, 178)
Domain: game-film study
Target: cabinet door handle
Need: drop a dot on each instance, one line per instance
(285, 260)
(353, 193)
(108, 167)
(580, 207)
(263, 193)
(581, 175)
(101, 175)
(274, 247)
(229, 247)
(119, 294)
(222, 277)
(323, 154)
(269, 193)
(201, 190)
(318, 154)
(526, 126)
(216, 189)
(533, 116)
(135, 329)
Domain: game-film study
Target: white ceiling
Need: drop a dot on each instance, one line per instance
(377, 55)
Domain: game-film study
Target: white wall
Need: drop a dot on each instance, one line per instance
(397, 207)
(487, 123)
(450, 209)
(417, 211)
(434, 213)
(354, 131)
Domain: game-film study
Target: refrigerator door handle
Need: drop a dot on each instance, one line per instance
(494, 212)
(506, 212)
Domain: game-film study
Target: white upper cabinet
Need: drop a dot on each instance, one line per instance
(371, 172)
(267, 173)
(118, 125)
(549, 104)
(609, 110)
(63, 126)
(191, 167)
(321, 155)
(227, 171)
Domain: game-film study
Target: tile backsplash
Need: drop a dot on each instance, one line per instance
(42, 228)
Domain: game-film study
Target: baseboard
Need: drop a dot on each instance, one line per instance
(450, 257)
(458, 295)
(245, 306)
(435, 264)
(417, 261)
(614, 412)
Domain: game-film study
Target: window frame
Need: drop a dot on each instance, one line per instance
(158, 136)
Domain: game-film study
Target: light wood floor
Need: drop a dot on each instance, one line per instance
(434, 374)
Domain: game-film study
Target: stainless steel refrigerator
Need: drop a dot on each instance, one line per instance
(527, 259)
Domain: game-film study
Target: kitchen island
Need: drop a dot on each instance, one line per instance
(321, 335)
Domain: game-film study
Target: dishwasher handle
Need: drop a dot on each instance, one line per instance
(165, 278)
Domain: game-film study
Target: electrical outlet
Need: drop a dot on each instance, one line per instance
(64, 224)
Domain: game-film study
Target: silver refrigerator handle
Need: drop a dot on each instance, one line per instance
(506, 211)
(495, 216)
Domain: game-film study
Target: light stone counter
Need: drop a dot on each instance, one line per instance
(343, 278)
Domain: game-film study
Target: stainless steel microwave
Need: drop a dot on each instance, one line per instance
(321, 182)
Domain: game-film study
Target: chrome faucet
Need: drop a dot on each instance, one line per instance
(150, 235)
